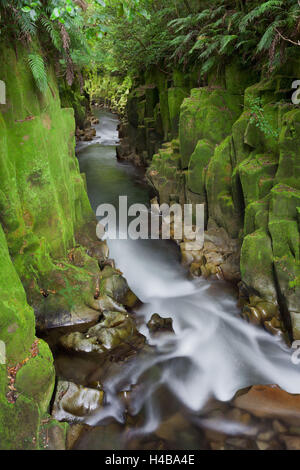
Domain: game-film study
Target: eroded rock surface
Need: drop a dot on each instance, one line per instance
(73, 402)
(116, 334)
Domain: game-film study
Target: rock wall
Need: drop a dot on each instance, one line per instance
(236, 151)
(44, 209)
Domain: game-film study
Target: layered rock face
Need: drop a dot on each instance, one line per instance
(237, 151)
(44, 208)
(153, 112)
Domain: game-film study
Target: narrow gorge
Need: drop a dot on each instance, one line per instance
(149, 344)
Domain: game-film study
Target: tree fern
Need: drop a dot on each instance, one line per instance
(268, 37)
(38, 70)
(226, 41)
(54, 34)
(271, 5)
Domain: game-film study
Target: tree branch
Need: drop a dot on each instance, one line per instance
(287, 39)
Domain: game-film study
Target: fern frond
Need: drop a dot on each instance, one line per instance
(268, 37)
(54, 34)
(259, 11)
(37, 67)
(225, 41)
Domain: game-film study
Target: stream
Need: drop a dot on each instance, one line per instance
(214, 353)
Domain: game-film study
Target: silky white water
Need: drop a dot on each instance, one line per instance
(214, 352)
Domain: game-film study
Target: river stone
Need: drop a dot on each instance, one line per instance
(115, 333)
(74, 433)
(158, 324)
(114, 285)
(106, 303)
(73, 402)
(269, 401)
(291, 442)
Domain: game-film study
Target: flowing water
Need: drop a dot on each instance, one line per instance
(213, 354)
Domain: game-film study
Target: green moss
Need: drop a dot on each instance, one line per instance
(176, 96)
(43, 204)
(237, 79)
(151, 100)
(257, 173)
(257, 265)
(197, 165)
(36, 378)
(72, 98)
(165, 113)
(20, 421)
(284, 201)
(207, 114)
(289, 162)
(219, 190)
(256, 216)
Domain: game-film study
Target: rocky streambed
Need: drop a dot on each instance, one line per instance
(183, 378)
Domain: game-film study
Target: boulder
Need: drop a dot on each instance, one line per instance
(114, 285)
(158, 324)
(73, 403)
(206, 114)
(270, 401)
(116, 334)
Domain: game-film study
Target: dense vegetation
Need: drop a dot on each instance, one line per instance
(126, 37)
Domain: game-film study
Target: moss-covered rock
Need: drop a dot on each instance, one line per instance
(220, 202)
(114, 285)
(30, 374)
(176, 95)
(43, 206)
(284, 230)
(257, 265)
(115, 335)
(207, 114)
(257, 174)
(289, 141)
(73, 402)
(43, 183)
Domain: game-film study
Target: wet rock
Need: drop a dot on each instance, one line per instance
(240, 443)
(60, 315)
(269, 401)
(279, 427)
(79, 342)
(291, 442)
(115, 334)
(53, 435)
(295, 430)
(65, 293)
(74, 433)
(158, 324)
(217, 446)
(108, 262)
(74, 402)
(169, 429)
(218, 257)
(195, 269)
(106, 303)
(100, 251)
(266, 435)
(268, 445)
(114, 285)
(110, 436)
